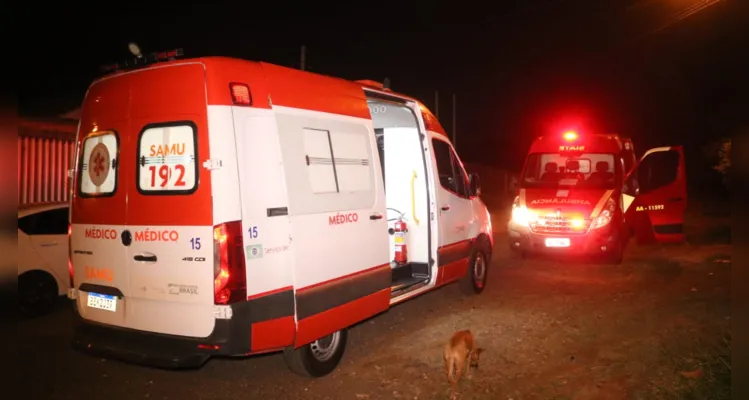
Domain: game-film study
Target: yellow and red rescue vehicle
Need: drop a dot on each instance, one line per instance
(586, 194)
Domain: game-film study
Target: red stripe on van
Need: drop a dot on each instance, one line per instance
(335, 319)
(340, 278)
(268, 293)
(273, 334)
(452, 271)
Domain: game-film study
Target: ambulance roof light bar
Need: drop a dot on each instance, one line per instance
(570, 136)
(141, 59)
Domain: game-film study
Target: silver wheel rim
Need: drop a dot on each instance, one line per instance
(323, 349)
(479, 270)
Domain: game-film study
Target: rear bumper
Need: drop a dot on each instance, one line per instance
(596, 242)
(230, 337)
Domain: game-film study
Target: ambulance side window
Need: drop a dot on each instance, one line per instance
(460, 175)
(167, 154)
(98, 165)
(657, 170)
(451, 175)
(337, 161)
(51, 222)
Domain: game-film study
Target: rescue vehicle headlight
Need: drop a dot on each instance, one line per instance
(521, 215)
(604, 218)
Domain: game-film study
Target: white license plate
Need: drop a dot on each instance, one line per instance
(102, 301)
(557, 242)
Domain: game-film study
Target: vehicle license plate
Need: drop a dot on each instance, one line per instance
(102, 301)
(557, 242)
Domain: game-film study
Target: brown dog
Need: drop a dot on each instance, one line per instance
(460, 352)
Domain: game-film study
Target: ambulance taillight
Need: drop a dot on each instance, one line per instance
(240, 94)
(229, 282)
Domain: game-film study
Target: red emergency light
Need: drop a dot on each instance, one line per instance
(240, 94)
(570, 136)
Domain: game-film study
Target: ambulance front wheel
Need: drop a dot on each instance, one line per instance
(474, 281)
(318, 358)
(616, 255)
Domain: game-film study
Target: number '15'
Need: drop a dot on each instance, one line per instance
(195, 243)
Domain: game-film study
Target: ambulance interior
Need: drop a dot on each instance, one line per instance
(406, 190)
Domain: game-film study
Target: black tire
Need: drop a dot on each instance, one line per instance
(616, 256)
(474, 281)
(37, 292)
(308, 362)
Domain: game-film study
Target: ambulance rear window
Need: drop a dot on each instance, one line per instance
(167, 154)
(98, 164)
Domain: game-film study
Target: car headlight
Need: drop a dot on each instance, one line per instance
(604, 218)
(521, 215)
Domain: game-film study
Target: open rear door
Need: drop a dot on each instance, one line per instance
(657, 196)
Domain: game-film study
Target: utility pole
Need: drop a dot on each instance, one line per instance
(303, 57)
(455, 132)
(437, 103)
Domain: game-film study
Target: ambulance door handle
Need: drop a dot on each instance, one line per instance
(142, 258)
(375, 216)
(446, 208)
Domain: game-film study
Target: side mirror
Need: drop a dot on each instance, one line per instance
(475, 184)
(513, 184)
(630, 186)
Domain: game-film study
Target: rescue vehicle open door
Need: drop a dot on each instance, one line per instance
(655, 196)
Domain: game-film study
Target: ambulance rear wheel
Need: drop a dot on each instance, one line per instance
(474, 281)
(318, 358)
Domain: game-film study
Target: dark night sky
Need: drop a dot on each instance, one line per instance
(518, 69)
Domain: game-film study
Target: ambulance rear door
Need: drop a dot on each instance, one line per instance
(170, 209)
(142, 236)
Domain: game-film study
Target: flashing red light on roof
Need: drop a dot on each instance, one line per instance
(240, 94)
(570, 135)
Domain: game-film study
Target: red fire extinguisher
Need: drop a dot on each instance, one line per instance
(399, 232)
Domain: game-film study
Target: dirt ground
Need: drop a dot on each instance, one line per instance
(655, 327)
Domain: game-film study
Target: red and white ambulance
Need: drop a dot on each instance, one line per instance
(225, 207)
(586, 194)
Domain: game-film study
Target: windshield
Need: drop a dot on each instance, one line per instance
(588, 170)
